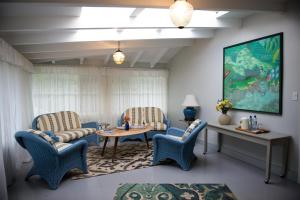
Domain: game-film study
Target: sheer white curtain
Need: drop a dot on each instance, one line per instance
(15, 111)
(100, 94)
(75, 88)
(135, 87)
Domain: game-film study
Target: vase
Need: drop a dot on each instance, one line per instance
(126, 126)
(189, 113)
(224, 119)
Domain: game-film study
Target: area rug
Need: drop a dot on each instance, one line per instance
(129, 156)
(174, 191)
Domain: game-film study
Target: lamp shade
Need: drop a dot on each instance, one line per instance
(190, 101)
(181, 13)
(118, 57)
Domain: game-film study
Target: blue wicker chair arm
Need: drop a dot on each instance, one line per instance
(164, 146)
(168, 122)
(166, 143)
(90, 125)
(80, 145)
(175, 131)
(162, 138)
(25, 139)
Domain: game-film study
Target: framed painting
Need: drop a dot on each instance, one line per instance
(252, 74)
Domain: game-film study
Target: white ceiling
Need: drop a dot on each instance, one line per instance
(46, 32)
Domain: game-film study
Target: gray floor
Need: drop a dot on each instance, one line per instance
(246, 181)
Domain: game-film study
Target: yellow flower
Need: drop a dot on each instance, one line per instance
(224, 105)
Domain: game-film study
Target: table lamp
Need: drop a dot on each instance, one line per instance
(190, 103)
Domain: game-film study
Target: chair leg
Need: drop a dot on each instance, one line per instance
(53, 185)
(185, 166)
(85, 169)
(155, 162)
(53, 180)
(30, 173)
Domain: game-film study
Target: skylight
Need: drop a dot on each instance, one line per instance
(117, 17)
(116, 23)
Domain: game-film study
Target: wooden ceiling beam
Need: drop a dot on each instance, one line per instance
(198, 4)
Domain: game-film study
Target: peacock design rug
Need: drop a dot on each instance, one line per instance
(129, 156)
(174, 192)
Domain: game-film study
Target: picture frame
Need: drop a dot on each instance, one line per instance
(253, 74)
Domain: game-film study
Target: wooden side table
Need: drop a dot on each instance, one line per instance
(266, 139)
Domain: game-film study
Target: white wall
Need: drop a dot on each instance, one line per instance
(198, 70)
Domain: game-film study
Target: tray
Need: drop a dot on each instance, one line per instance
(258, 131)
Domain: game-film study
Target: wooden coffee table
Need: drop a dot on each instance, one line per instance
(117, 133)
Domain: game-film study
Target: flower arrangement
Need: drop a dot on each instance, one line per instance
(224, 105)
(126, 121)
(126, 118)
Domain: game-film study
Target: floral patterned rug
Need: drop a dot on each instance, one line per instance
(129, 156)
(174, 192)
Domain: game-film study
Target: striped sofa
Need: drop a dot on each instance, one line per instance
(145, 116)
(67, 127)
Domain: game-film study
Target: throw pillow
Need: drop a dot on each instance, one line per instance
(46, 135)
(190, 129)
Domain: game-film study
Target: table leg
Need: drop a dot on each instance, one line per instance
(219, 142)
(285, 154)
(104, 146)
(205, 141)
(268, 162)
(146, 140)
(115, 147)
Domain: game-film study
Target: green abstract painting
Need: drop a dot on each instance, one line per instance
(252, 74)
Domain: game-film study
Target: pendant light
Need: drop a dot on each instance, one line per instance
(181, 13)
(119, 56)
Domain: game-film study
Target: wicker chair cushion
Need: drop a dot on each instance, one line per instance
(59, 121)
(190, 129)
(157, 126)
(59, 146)
(66, 136)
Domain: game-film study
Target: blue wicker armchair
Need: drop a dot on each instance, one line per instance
(168, 146)
(49, 163)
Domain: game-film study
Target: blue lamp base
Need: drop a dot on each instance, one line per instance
(189, 113)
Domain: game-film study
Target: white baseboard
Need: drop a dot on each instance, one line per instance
(250, 159)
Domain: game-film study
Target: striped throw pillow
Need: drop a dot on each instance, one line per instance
(43, 135)
(190, 129)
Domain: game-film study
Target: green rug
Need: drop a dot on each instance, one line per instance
(174, 192)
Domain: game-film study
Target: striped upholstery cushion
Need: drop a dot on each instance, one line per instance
(59, 121)
(59, 146)
(158, 126)
(190, 129)
(135, 114)
(66, 136)
(43, 135)
(153, 114)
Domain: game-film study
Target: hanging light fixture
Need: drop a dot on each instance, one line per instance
(119, 56)
(181, 13)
